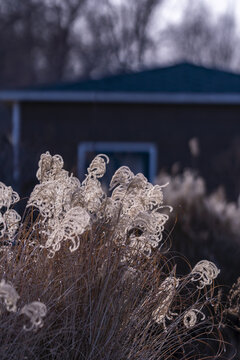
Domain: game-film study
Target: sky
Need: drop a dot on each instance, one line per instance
(220, 6)
(173, 8)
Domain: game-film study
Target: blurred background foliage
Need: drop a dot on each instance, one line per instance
(55, 40)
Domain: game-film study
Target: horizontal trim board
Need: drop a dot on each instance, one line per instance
(119, 97)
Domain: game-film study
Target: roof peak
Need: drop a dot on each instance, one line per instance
(179, 66)
(178, 78)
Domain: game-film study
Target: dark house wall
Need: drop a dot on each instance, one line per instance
(5, 145)
(60, 127)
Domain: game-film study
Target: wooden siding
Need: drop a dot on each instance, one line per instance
(60, 127)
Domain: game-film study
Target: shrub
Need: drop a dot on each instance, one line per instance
(89, 276)
(208, 226)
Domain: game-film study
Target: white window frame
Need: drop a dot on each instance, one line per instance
(128, 147)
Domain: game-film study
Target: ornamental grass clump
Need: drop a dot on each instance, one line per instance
(89, 276)
(205, 225)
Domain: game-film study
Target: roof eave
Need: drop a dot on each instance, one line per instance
(120, 97)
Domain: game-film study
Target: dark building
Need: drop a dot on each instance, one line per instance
(144, 120)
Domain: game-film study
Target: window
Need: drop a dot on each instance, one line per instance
(139, 157)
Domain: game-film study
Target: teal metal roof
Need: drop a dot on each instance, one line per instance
(180, 78)
(177, 84)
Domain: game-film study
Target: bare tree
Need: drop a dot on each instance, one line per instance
(118, 36)
(52, 40)
(35, 40)
(201, 39)
(59, 21)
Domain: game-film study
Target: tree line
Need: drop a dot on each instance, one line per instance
(57, 40)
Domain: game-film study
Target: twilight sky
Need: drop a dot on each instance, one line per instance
(174, 8)
(171, 13)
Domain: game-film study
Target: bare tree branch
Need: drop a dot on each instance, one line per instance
(203, 40)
